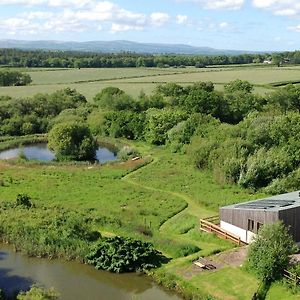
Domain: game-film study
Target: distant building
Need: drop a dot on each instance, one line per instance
(267, 61)
(245, 219)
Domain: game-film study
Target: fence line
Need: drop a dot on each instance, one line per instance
(291, 277)
(208, 226)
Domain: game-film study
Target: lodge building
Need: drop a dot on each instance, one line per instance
(245, 219)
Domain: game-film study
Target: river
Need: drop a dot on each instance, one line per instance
(74, 280)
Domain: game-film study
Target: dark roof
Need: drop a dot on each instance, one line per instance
(275, 203)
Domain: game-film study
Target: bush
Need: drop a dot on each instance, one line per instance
(38, 293)
(264, 166)
(72, 141)
(127, 152)
(268, 254)
(120, 254)
(23, 200)
(8, 78)
(291, 182)
(114, 98)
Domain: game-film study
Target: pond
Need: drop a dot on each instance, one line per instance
(41, 152)
(74, 280)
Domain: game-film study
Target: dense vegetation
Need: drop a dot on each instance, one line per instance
(119, 254)
(269, 254)
(35, 293)
(8, 77)
(72, 141)
(67, 59)
(33, 115)
(244, 141)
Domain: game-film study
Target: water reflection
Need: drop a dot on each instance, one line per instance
(41, 152)
(75, 281)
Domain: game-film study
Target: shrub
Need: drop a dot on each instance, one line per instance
(264, 166)
(127, 152)
(120, 254)
(269, 253)
(38, 293)
(291, 182)
(23, 200)
(72, 141)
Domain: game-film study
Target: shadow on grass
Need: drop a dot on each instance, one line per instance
(262, 291)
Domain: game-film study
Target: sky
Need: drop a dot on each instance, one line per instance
(263, 25)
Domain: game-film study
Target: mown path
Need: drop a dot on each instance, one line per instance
(191, 207)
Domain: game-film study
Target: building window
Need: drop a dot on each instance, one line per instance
(250, 225)
(259, 225)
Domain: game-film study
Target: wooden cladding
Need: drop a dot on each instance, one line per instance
(253, 219)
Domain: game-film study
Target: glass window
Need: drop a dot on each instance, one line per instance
(250, 225)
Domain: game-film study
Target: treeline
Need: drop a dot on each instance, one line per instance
(244, 138)
(33, 115)
(69, 59)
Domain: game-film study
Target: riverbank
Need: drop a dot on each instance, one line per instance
(160, 202)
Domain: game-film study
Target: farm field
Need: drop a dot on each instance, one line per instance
(133, 80)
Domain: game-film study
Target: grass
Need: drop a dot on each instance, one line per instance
(278, 292)
(160, 202)
(132, 80)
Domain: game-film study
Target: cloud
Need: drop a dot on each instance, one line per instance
(50, 3)
(295, 28)
(218, 4)
(223, 25)
(279, 7)
(159, 19)
(181, 19)
(78, 16)
(23, 2)
(18, 26)
(115, 27)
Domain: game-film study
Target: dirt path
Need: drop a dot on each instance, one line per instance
(191, 207)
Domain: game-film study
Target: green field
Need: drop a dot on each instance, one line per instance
(133, 80)
(163, 194)
(158, 198)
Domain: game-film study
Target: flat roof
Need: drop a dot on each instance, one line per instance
(274, 203)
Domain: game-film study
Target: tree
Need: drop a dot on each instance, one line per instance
(159, 122)
(238, 86)
(8, 78)
(114, 98)
(268, 255)
(72, 141)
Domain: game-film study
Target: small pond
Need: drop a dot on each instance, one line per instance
(41, 152)
(74, 280)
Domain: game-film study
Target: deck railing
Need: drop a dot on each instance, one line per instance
(209, 225)
(292, 277)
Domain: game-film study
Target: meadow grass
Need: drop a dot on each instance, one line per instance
(258, 76)
(161, 202)
(132, 80)
(60, 76)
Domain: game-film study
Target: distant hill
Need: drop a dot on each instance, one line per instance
(116, 46)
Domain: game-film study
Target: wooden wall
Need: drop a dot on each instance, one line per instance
(239, 217)
(291, 218)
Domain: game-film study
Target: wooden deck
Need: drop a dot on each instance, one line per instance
(211, 224)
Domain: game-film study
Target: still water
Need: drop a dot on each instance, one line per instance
(74, 280)
(41, 152)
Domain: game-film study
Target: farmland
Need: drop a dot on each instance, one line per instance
(161, 196)
(133, 80)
